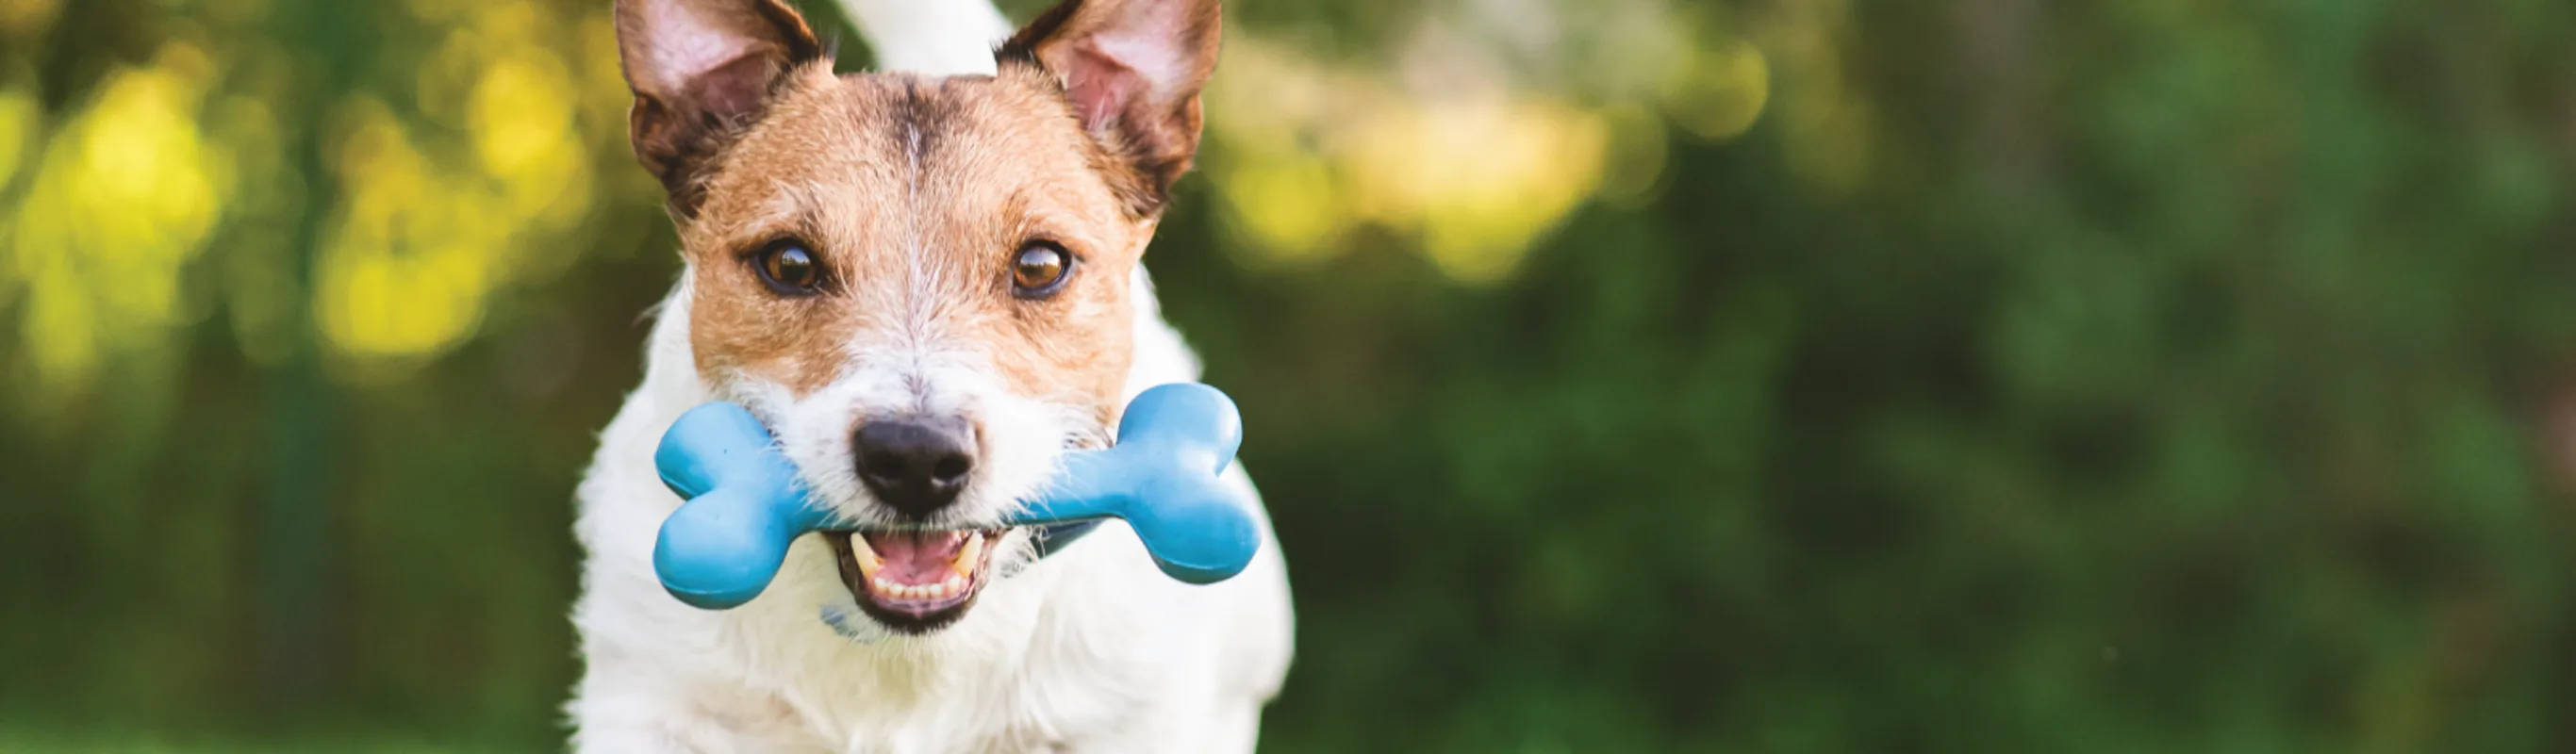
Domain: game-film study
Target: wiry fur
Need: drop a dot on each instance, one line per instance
(912, 189)
(1091, 649)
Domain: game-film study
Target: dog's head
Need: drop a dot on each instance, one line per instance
(922, 284)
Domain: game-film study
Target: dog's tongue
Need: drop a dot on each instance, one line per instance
(916, 557)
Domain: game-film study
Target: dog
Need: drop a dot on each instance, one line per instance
(929, 288)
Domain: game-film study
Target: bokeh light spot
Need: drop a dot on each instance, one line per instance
(121, 198)
(1718, 93)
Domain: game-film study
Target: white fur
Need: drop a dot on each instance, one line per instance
(936, 38)
(1091, 649)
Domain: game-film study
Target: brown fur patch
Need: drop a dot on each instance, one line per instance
(916, 193)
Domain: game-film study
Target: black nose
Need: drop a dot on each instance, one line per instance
(915, 464)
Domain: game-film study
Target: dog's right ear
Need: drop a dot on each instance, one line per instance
(701, 70)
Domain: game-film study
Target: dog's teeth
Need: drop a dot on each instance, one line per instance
(867, 556)
(952, 586)
(968, 555)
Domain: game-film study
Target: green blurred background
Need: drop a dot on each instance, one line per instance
(1624, 375)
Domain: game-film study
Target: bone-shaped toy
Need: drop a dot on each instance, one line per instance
(745, 506)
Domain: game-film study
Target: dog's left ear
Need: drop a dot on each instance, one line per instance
(1132, 70)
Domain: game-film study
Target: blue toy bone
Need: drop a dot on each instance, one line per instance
(745, 506)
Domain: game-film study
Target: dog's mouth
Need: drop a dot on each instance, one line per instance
(914, 581)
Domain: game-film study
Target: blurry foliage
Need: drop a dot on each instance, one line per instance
(1775, 375)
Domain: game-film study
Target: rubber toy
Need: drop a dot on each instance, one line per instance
(745, 505)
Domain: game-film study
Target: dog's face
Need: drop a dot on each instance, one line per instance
(921, 284)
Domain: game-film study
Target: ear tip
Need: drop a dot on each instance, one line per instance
(801, 43)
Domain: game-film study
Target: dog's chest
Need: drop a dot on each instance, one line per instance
(1062, 686)
(1080, 647)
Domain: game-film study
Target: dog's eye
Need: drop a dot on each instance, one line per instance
(789, 268)
(1040, 268)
